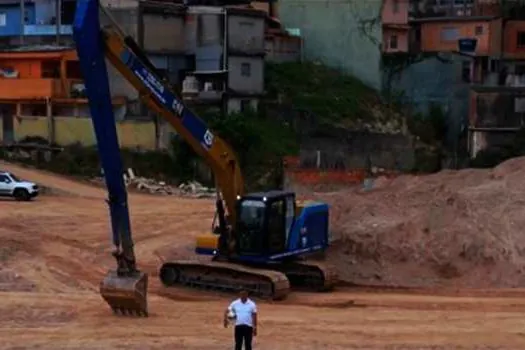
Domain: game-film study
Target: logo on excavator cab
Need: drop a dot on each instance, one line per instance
(208, 139)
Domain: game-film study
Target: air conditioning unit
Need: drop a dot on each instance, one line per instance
(190, 86)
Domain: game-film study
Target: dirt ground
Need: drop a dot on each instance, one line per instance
(55, 250)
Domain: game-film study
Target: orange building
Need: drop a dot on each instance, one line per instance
(495, 38)
(442, 35)
(40, 83)
(394, 17)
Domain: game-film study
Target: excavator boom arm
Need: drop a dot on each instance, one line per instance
(133, 65)
(125, 289)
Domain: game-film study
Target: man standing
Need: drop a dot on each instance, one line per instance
(245, 312)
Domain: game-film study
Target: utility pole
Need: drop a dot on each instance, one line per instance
(58, 14)
(22, 21)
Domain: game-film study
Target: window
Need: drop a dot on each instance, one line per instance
(276, 227)
(494, 65)
(68, 12)
(246, 70)
(73, 70)
(245, 105)
(3, 19)
(5, 179)
(521, 39)
(393, 41)
(246, 25)
(519, 69)
(449, 34)
(50, 69)
(395, 6)
(290, 215)
(479, 30)
(251, 225)
(465, 71)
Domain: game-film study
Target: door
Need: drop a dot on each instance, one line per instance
(7, 114)
(277, 227)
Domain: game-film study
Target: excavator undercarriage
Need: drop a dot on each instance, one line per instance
(265, 281)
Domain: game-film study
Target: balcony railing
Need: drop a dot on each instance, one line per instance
(29, 89)
(25, 89)
(47, 29)
(457, 11)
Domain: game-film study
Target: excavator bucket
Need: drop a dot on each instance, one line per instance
(126, 295)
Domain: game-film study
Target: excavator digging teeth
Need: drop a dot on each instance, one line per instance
(126, 295)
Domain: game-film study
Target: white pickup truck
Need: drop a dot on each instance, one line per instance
(11, 186)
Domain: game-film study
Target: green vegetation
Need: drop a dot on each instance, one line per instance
(260, 144)
(259, 139)
(335, 98)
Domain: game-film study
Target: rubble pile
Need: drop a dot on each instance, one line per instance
(191, 189)
(452, 229)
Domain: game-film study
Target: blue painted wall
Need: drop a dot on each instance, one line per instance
(434, 81)
(39, 16)
(12, 15)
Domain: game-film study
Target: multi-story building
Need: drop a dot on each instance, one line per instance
(489, 36)
(38, 88)
(394, 18)
(217, 53)
(36, 22)
(228, 47)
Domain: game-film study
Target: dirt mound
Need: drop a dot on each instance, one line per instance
(455, 228)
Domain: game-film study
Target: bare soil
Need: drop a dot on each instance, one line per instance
(55, 250)
(453, 229)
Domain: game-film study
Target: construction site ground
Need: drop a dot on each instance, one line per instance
(55, 250)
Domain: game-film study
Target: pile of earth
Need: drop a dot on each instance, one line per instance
(450, 229)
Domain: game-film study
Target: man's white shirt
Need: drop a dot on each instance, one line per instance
(243, 312)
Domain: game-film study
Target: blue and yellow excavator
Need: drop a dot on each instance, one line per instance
(259, 241)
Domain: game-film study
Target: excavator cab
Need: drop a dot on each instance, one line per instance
(264, 222)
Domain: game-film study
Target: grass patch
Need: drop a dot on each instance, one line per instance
(335, 98)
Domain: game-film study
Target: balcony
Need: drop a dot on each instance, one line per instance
(458, 10)
(26, 89)
(199, 89)
(37, 89)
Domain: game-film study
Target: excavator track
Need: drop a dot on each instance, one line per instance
(224, 276)
(309, 275)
